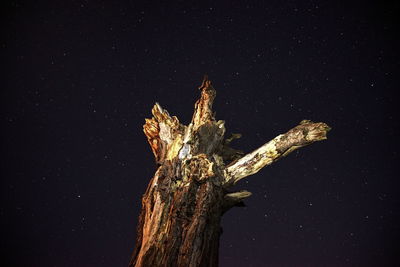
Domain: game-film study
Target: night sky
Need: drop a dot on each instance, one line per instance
(81, 76)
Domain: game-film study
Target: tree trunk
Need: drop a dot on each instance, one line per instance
(179, 224)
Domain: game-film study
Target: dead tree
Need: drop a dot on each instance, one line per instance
(179, 224)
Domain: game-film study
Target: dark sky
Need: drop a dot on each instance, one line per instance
(81, 76)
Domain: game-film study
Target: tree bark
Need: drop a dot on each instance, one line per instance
(179, 224)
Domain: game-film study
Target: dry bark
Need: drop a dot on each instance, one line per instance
(179, 224)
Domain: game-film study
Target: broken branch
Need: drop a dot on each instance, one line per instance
(307, 132)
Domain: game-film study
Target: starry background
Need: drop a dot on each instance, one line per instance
(81, 76)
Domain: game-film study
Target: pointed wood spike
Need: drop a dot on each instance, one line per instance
(203, 107)
(206, 82)
(159, 113)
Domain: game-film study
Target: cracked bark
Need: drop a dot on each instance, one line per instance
(179, 224)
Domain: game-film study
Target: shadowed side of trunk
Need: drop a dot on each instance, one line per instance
(179, 228)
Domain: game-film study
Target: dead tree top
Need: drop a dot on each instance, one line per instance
(179, 223)
(204, 137)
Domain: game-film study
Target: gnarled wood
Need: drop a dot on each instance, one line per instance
(203, 107)
(164, 134)
(179, 224)
(304, 134)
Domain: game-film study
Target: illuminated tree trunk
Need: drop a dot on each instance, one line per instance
(179, 224)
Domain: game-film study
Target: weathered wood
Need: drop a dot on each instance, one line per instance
(179, 224)
(307, 132)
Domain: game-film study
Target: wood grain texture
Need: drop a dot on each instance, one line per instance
(179, 224)
(307, 132)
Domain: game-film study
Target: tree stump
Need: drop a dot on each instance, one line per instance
(179, 224)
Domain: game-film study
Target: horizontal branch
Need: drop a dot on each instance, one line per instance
(305, 133)
(237, 196)
(235, 199)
